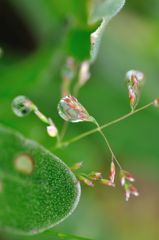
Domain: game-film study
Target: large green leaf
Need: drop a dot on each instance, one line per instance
(37, 190)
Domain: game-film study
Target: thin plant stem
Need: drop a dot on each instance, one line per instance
(76, 89)
(64, 130)
(108, 144)
(85, 134)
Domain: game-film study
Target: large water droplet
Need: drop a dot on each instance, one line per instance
(72, 111)
(22, 106)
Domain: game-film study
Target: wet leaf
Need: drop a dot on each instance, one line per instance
(37, 189)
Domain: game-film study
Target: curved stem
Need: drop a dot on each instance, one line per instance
(64, 130)
(85, 134)
(108, 144)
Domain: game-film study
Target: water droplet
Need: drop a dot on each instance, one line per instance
(22, 106)
(24, 164)
(72, 111)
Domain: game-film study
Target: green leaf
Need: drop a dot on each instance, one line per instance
(104, 11)
(79, 38)
(37, 190)
(49, 235)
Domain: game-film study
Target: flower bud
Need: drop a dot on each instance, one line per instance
(135, 77)
(72, 111)
(130, 190)
(156, 102)
(86, 181)
(52, 131)
(95, 176)
(133, 97)
(107, 182)
(112, 172)
(76, 166)
(125, 175)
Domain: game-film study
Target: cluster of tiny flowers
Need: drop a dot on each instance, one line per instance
(110, 180)
(135, 80)
(126, 179)
(126, 182)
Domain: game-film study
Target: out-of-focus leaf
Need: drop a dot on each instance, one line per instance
(104, 11)
(37, 190)
(49, 235)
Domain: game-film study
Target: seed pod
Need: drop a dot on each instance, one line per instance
(72, 111)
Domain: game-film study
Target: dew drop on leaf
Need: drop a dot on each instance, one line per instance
(22, 106)
(24, 164)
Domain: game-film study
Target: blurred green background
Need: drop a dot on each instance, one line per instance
(34, 38)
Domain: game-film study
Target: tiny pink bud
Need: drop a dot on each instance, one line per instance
(76, 166)
(86, 181)
(112, 172)
(122, 181)
(130, 190)
(156, 102)
(95, 176)
(107, 182)
(135, 76)
(52, 131)
(128, 176)
(133, 190)
(132, 95)
(127, 195)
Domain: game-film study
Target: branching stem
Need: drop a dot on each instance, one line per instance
(99, 128)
